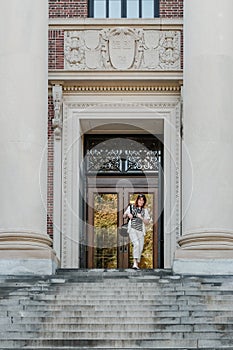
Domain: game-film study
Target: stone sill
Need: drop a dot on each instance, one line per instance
(94, 23)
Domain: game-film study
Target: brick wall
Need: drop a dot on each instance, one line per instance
(171, 8)
(67, 8)
(50, 168)
(79, 8)
(56, 49)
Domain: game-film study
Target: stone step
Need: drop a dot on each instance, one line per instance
(99, 327)
(100, 343)
(156, 290)
(209, 344)
(116, 335)
(116, 310)
(62, 311)
(86, 313)
(105, 348)
(121, 318)
(75, 301)
(160, 318)
(126, 327)
(91, 307)
(106, 319)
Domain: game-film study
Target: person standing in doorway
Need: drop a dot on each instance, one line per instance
(138, 217)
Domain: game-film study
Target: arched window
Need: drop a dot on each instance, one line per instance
(123, 8)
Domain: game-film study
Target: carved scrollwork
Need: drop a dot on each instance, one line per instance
(122, 48)
(169, 50)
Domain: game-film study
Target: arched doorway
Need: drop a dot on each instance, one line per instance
(117, 168)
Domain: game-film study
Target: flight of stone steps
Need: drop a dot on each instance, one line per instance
(113, 309)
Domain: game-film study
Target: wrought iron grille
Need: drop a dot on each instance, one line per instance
(122, 156)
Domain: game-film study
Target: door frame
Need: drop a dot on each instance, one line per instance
(82, 112)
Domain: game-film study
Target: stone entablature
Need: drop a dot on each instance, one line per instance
(122, 48)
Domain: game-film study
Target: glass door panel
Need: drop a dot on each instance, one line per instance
(105, 230)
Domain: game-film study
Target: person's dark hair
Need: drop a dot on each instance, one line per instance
(138, 197)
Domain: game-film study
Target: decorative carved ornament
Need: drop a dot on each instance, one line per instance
(122, 49)
(57, 103)
(156, 88)
(123, 156)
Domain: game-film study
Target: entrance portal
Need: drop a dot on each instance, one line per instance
(117, 169)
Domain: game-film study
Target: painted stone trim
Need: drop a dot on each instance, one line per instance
(122, 48)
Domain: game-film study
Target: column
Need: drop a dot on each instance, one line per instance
(24, 244)
(206, 245)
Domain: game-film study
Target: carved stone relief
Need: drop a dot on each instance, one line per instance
(122, 49)
(57, 102)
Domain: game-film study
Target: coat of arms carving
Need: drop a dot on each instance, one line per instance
(122, 48)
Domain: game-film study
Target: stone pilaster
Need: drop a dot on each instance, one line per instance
(24, 244)
(206, 245)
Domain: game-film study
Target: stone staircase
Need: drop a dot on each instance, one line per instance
(113, 309)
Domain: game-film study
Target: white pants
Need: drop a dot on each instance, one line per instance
(137, 238)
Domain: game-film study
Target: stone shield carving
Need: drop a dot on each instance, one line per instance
(121, 47)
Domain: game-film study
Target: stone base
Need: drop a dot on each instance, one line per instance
(28, 262)
(203, 262)
(27, 267)
(26, 253)
(205, 253)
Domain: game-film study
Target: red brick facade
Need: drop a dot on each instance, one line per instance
(79, 8)
(171, 8)
(56, 49)
(67, 8)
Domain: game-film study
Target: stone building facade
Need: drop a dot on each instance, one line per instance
(132, 107)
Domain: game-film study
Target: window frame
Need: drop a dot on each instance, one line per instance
(123, 9)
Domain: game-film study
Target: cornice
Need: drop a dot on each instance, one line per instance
(94, 23)
(117, 82)
(63, 76)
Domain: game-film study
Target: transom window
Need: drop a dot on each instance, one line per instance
(123, 8)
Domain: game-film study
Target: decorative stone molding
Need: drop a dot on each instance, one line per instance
(206, 240)
(167, 110)
(122, 88)
(122, 48)
(130, 106)
(24, 240)
(57, 102)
